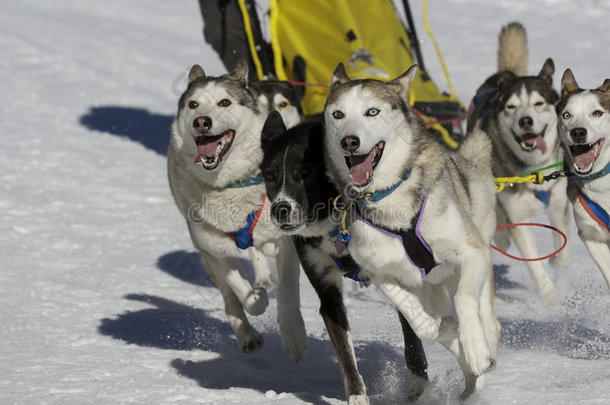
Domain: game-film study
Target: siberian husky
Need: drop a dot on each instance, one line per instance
(518, 113)
(280, 96)
(421, 217)
(301, 205)
(584, 127)
(213, 166)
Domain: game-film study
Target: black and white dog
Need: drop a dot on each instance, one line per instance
(301, 199)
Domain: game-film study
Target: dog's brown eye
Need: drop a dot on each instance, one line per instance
(338, 115)
(538, 103)
(511, 107)
(598, 113)
(224, 102)
(193, 104)
(283, 104)
(306, 171)
(269, 176)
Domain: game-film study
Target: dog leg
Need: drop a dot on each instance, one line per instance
(334, 314)
(415, 357)
(228, 270)
(600, 252)
(292, 328)
(409, 304)
(248, 339)
(262, 275)
(474, 273)
(524, 239)
(560, 217)
(491, 326)
(472, 382)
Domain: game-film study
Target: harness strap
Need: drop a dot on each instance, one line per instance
(417, 250)
(243, 237)
(594, 210)
(543, 196)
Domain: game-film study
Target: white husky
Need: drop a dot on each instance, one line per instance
(213, 162)
(584, 127)
(422, 217)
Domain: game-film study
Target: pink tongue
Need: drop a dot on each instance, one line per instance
(584, 160)
(540, 144)
(362, 168)
(208, 149)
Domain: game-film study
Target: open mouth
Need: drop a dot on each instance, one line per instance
(530, 141)
(585, 155)
(361, 167)
(212, 149)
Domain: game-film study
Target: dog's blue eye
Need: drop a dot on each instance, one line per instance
(338, 115)
(224, 102)
(598, 113)
(566, 115)
(371, 112)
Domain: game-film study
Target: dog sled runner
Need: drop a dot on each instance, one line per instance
(309, 38)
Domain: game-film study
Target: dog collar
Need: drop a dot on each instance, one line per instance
(596, 175)
(243, 237)
(378, 195)
(250, 181)
(596, 212)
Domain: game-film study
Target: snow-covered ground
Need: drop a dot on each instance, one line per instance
(102, 297)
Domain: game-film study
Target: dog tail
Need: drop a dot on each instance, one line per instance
(512, 49)
(476, 149)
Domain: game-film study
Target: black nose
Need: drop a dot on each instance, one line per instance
(579, 135)
(526, 122)
(202, 124)
(350, 143)
(280, 211)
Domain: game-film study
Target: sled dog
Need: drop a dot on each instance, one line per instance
(301, 198)
(518, 113)
(418, 218)
(280, 96)
(213, 170)
(584, 128)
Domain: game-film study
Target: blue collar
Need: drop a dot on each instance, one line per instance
(380, 194)
(250, 181)
(596, 175)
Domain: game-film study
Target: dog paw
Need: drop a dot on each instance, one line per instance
(267, 283)
(547, 292)
(256, 302)
(270, 249)
(294, 338)
(477, 354)
(250, 342)
(358, 400)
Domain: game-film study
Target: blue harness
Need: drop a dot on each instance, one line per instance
(243, 236)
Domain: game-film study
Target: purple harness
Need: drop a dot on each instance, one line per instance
(417, 250)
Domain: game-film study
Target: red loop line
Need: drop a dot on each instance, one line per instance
(565, 241)
(432, 121)
(295, 83)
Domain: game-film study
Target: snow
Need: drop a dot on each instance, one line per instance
(103, 299)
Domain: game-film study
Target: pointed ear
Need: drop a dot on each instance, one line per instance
(568, 83)
(546, 73)
(240, 72)
(339, 76)
(274, 126)
(404, 81)
(196, 73)
(605, 87)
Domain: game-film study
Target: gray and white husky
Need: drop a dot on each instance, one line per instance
(518, 113)
(421, 217)
(301, 199)
(213, 169)
(584, 127)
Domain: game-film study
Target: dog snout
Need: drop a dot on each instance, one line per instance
(281, 212)
(350, 143)
(202, 124)
(579, 135)
(526, 122)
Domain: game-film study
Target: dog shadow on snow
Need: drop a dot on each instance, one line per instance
(170, 325)
(137, 124)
